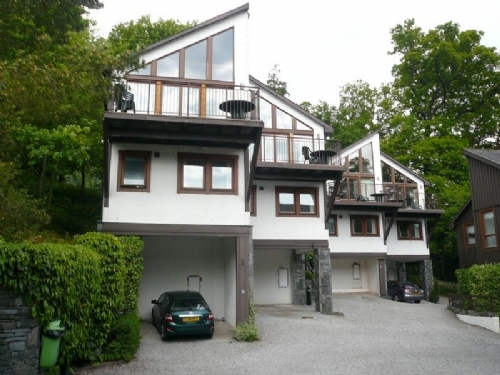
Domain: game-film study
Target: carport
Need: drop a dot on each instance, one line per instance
(219, 255)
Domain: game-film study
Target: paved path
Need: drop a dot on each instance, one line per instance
(374, 336)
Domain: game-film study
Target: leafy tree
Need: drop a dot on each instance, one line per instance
(133, 36)
(449, 82)
(22, 22)
(274, 83)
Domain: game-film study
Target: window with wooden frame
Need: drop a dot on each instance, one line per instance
(469, 234)
(332, 226)
(253, 201)
(488, 229)
(409, 230)
(364, 225)
(207, 174)
(295, 201)
(209, 59)
(134, 170)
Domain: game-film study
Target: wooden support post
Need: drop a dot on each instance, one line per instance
(158, 98)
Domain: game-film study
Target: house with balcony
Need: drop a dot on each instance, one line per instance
(225, 180)
(380, 219)
(477, 224)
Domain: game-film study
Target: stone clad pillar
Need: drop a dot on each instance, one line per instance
(401, 271)
(299, 279)
(322, 278)
(427, 277)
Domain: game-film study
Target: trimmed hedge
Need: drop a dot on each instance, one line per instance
(82, 285)
(480, 280)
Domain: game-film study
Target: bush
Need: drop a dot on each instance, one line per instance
(480, 281)
(123, 339)
(133, 247)
(435, 293)
(247, 331)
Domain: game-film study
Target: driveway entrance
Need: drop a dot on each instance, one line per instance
(367, 335)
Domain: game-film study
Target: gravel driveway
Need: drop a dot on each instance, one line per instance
(374, 336)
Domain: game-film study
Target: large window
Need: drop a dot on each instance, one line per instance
(470, 234)
(364, 225)
(134, 170)
(208, 59)
(409, 230)
(209, 174)
(488, 229)
(292, 201)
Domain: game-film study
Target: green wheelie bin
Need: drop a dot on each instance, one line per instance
(50, 344)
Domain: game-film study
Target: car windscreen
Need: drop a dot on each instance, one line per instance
(189, 304)
(409, 286)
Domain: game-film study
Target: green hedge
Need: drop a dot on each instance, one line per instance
(482, 281)
(82, 285)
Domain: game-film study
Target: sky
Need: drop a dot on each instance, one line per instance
(319, 45)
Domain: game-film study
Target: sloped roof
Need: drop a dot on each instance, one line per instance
(490, 157)
(243, 8)
(262, 86)
(459, 213)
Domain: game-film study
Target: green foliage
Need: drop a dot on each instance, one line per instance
(63, 282)
(133, 247)
(83, 287)
(123, 339)
(435, 293)
(274, 83)
(247, 331)
(21, 215)
(480, 280)
(133, 36)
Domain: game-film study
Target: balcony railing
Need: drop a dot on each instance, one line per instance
(189, 99)
(406, 195)
(295, 149)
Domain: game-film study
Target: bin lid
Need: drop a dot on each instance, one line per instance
(55, 325)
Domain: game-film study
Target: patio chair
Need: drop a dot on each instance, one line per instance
(124, 99)
(306, 152)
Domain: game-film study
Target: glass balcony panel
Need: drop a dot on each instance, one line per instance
(170, 100)
(144, 96)
(282, 153)
(267, 146)
(297, 144)
(190, 101)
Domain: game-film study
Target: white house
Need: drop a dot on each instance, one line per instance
(228, 182)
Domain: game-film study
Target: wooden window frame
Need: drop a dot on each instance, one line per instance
(296, 191)
(364, 219)
(207, 175)
(410, 238)
(335, 226)
(253, 201)
(466, 234)
(182, 63)
(483, 229)
(122, 154)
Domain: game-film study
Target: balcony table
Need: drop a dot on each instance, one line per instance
(323, 155)
(237, 108)
(379, 197)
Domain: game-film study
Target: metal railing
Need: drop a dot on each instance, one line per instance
(190, 99)
(294, 149)
(474, 302)
(407, 196)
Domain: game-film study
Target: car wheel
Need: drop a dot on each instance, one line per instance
(417, 301)
(163, 333)
(396, 298)
(210, 335)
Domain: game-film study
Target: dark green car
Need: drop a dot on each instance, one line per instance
(182, 313)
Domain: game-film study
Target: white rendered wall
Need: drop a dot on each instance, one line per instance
(345, 243)
(269, 226)
(162, 204)
(343, 277)
(240, 23)
(168, 261)
(406, 247)
(266, 266)
(491, 323)
(373, 275)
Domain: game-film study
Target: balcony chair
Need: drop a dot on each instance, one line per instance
(306, 152)
(124, 99)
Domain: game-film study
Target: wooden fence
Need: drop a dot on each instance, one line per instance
(472, 302)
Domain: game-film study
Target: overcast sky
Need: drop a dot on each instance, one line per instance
(319, 45)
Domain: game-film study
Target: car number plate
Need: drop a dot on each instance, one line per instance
(415, 293)
(191, 319)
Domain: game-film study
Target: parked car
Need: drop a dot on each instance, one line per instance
(181, 313)
(404, 291)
